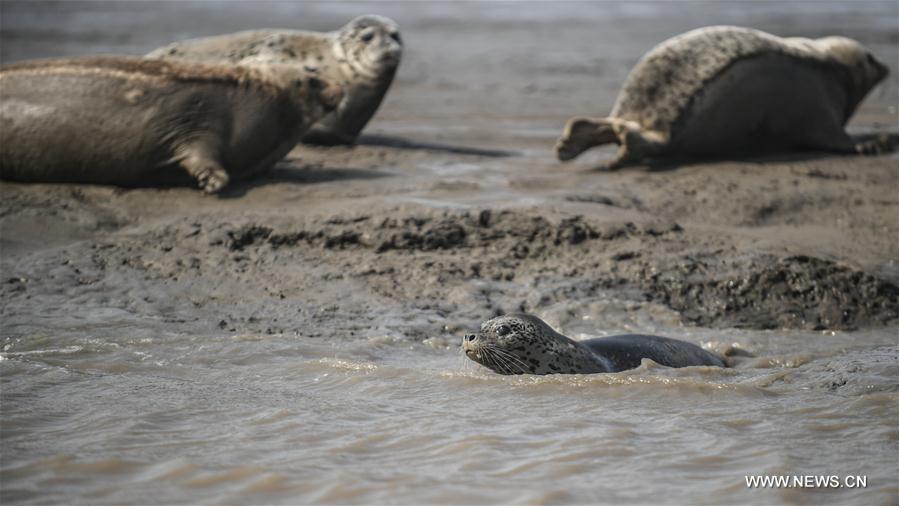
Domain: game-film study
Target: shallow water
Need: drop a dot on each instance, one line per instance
(290, 419)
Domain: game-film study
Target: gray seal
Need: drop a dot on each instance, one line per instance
(525, 344)
(726, 90)
(124, 120)
(362, 57)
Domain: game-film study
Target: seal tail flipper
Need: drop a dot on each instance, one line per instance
(582, 133)
(636, 144)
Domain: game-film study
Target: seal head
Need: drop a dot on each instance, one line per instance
(865, 71)
(525, 344)
(370, 45)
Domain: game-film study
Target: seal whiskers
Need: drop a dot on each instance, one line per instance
(506, 360)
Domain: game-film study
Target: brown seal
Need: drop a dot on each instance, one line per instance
(123, 120)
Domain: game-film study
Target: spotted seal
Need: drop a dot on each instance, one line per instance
(728, 90)
(525, 344)
(362, 56)
(123, 120)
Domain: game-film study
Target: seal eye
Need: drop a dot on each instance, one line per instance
(367, 36)
(396, 36)
(503, 330)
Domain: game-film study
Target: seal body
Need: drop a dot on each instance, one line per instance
(725, 90)
(362, 57)
(525, 344)
(124, 120)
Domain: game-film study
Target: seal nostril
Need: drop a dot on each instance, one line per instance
(470, 337)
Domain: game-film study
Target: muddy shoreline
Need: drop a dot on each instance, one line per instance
(458, 263)
(452, 203)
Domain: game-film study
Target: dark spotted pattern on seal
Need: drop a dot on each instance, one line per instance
(525, 344)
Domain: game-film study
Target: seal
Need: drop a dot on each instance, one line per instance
(362, 57)
(725, 90)
(122, 120)
(525, 344)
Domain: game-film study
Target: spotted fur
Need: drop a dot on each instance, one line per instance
(525, 344)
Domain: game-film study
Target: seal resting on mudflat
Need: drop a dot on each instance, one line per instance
(525, 344)
(725, 90)
(362, 57)
(125, 120)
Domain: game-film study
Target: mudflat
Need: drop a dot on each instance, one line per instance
(454, 186)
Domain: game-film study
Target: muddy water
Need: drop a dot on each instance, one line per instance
(289, 419)
(162, 347)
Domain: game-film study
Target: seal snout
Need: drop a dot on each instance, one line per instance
(390, 57)
(469, 345)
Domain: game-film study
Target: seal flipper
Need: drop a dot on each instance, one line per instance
(635, 144)
(878, 145)
(197, 159)
(582, 134)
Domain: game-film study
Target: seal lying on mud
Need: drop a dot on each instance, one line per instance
(728, 90)
(124, 120)
(525, 344)
(362, 57)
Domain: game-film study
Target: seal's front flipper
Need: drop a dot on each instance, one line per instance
(581, 134)
(636, 144)
(212, 178)
(879, 144)
(209, 173)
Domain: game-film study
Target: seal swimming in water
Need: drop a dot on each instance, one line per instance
(125, 120)
(728, 90)
(525, 344)
(362, 57)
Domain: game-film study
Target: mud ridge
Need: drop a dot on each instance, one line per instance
(581, 257)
